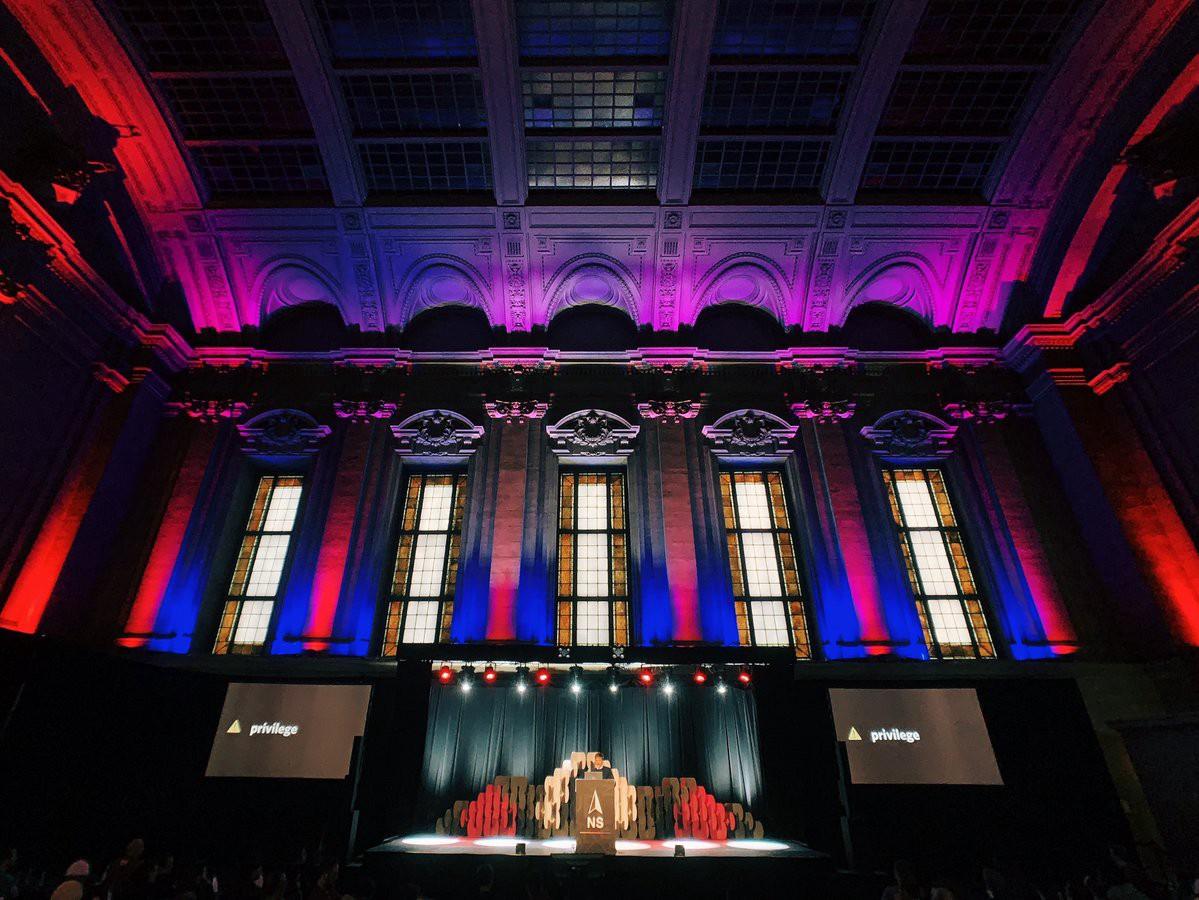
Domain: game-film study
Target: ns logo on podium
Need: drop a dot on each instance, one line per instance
(595, 819)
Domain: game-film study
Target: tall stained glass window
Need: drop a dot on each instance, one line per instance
(258, 573)
(951, 613)
(422, 588)
(593, 573)
(762, 561)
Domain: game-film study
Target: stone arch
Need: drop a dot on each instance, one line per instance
(435, 281)
(755, 282)
(593, 280)
(904, 282)
(286, 283)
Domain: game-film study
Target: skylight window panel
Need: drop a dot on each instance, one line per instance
(414, 102)
(398, 29)
(992, 31)
(589, 99)
(760, 165)
(203, 35)
(798, 29)
(414, 167)
(267, 169)
(609, 164)
(774, 99)
(951, 166)
(237, 107)
(594, 28)
(955, 103)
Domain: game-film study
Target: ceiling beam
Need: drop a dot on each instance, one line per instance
(690, 50)
(499, 64)
(890, 33)
(296, 22)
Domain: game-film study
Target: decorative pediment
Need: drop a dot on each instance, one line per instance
(592, 433)
(908, 436)
(282, 432)
(751, 434)
(437, 432)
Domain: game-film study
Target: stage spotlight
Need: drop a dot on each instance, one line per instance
(613, 679)
(576, 682)
(646, 677)
(522, 679)
(721, 687)
(700, 677)
(489, 675)
(543, 675)
(445, 674)
(466, 677)
(744, 677)
(668, 688)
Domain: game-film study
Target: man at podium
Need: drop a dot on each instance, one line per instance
(596, 768)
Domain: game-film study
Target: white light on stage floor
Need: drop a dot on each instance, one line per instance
(692, 844)
(563, 844)
(429, 840)
(625, 846)
(757, 845)
(497, 842)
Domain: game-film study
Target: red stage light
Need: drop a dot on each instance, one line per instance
(744, 677)
(489, 674)
(543, 675)
(700, 676)
(646, 677)
(445, 675)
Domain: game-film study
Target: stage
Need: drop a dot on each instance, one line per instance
(450, 866)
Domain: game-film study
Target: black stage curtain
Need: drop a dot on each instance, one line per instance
(697, 732)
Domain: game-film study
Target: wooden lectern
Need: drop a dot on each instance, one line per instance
(595, 815)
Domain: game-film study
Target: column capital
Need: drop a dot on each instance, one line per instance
(824, 412)
(208, 411)
(669, 412)
(363, 412)
(513, 411)
(981, 412)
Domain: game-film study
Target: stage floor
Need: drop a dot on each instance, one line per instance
(438, 845)
(453, 867)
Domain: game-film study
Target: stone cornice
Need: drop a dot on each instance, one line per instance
(655, 357)
(66, 263)
(1165, 257)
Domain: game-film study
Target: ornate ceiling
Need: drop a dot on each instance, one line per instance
(801, 156)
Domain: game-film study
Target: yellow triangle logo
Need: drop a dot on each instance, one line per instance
(235, 728)
(853, 734)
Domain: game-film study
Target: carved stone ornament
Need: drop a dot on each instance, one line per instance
(211, 412)
(592, 433)
(909, 436)
(282, 432)
(979, 411)
(437, 432)
(824, 412)
(516, 410)
(364, 411)
(669, 410)
(751, 434)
